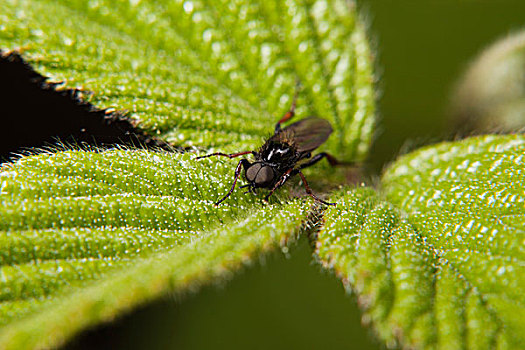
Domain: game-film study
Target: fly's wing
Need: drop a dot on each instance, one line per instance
(307, 134)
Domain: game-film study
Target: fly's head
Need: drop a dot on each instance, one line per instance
(260, 175)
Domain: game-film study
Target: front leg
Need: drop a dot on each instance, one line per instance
(279, 183)
(233, 155)
(242, 163)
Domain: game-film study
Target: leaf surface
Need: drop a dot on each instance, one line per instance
(438, 259)
(139, 222)
(205, 73)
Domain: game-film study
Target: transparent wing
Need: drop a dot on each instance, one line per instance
(307, 134)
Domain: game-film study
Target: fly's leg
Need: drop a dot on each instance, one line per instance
(309, 191)
(233, 155)
(251, 189)
(279, 183)
(331, 159)
(242, 163)
(291, 112)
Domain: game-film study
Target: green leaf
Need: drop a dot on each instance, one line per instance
(439, 261)
(141, 222)
(88, 234)
(205, 73)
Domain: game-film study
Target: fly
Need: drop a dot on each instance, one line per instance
(278, 158)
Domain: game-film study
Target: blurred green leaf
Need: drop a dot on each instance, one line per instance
(439, 261)
(490, 95)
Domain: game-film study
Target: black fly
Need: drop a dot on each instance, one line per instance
(276, 160)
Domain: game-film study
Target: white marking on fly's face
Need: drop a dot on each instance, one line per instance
(277, 151)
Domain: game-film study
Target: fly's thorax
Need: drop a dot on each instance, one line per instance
(277, 153)
(260, 174)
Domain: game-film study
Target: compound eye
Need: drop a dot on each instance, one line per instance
(265, 175)
(251, 172)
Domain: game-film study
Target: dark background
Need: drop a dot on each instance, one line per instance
(422, 49)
